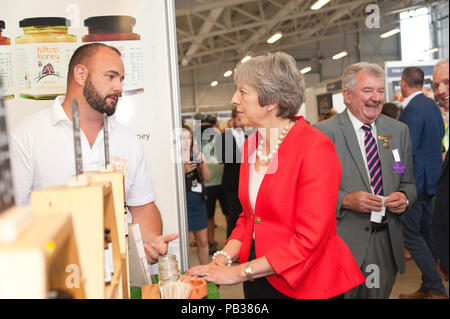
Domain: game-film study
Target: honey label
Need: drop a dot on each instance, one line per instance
(6, 70)
(42, 68)
(132, 57)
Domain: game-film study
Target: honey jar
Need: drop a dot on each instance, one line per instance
(6, 80)
(43, 55)
(117, 31)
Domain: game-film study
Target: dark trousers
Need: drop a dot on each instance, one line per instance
(260, 288)
(418, 238)
(234, 210)
(213, 194)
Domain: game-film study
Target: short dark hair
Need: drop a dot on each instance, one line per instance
(86, 51)
(413, 76)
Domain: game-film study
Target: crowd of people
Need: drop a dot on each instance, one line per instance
(322, 211)
(309, 207)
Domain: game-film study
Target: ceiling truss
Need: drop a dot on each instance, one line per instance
(211, 32)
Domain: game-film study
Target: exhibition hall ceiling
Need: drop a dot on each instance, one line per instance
(211, 32)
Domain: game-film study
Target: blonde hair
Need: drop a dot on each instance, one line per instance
(276, 79)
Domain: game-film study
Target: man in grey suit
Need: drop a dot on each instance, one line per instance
(377, 176)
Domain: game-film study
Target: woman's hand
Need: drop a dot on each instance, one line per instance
(218, 274)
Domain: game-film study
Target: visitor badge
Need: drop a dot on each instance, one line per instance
(399, 166)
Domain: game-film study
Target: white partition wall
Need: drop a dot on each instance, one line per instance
(153, 114)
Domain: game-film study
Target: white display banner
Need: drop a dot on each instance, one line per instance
(152, 110)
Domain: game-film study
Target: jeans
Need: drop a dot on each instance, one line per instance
(418, 239)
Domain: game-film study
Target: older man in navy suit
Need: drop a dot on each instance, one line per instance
(426, 127)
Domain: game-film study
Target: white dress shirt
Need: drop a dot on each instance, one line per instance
(406, 101)
(42, 155)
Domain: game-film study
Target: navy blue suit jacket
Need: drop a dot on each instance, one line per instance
(426, 127)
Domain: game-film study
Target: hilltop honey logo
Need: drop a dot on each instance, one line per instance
(47, 70)
(46, 53)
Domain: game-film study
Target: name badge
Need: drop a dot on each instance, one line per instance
(399, 166)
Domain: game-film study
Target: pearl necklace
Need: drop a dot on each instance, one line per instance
(267, 158)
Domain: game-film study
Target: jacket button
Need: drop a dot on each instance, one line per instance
(257, 220)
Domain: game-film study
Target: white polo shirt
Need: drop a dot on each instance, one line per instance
(42, 155)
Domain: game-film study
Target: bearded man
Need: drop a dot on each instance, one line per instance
(42, 152)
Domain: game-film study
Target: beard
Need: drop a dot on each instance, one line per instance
(98, 102)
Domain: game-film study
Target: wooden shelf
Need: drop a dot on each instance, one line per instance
(38, 260)
(116, 179)
(92, 210)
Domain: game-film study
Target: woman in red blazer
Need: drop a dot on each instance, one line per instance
(285, 238)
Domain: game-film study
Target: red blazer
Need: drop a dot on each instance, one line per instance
(295, 217)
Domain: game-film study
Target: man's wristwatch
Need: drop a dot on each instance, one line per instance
(248, 271)
(407, 200)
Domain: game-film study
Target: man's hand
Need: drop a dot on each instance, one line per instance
(362, 202)
(189, 167)
(158, 246)
(396, 202)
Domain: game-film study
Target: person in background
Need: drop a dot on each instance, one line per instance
(368, 144)
(441, 92)
(285, 238)
(214, 190)
(327, 115)
(229, 152)
(42, 152)
(426, 127)
(391, 110)
(196, 173)
(441, 209)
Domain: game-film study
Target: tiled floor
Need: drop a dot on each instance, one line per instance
(407, 283)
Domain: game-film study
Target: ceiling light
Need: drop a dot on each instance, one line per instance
(340, 55)
(319, 4)
(214, 83)
(277, 36)
(246, 58)
(228, 73)
(390, 33)
(305, 70)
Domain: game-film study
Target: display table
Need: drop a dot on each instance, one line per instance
(213, 292)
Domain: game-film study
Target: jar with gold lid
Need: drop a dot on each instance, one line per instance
(6, 79)
(43, 55)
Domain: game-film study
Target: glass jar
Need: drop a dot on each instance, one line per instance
(6, 79)
(117, 31)
(43, 55)
(168, 271)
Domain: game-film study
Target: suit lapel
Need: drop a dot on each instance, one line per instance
(353, 146)
(386, 157)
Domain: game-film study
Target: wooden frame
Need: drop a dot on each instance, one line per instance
(92, 210)
(43, 258)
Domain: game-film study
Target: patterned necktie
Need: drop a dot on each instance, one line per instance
(373, 161)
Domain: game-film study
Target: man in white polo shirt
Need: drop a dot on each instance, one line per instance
(42, 152)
